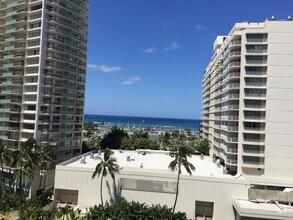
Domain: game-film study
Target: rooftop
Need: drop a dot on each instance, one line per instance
(154, 161)
(263, 210)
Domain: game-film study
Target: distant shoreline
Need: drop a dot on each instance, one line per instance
(141, 117)
(144, 122)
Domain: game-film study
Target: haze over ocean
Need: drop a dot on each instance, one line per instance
(144, 122)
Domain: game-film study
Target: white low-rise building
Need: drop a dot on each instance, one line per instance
(145, 177)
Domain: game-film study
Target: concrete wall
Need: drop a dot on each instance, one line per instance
(279, 117)
(210, 189)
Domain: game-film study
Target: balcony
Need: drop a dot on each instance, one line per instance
(234, 43)
(231, 150)
(231, 162)
(232, 139)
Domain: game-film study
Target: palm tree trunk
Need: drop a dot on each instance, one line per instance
(2, 170)
(41, 177)
(101, 190)
(177, 191)
(20, 184)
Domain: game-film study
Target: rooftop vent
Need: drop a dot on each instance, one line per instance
(128, 158)
(218, 163)
(272, 18)
(99, 152)
(141, 165)
(202, 156)
(289, 18)
(92, 155)
(82, 160)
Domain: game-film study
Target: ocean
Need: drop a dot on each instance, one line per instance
(144, 122)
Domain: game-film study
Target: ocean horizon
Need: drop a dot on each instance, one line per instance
(144, 122)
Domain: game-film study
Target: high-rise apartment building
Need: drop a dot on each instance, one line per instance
(43, 46)
(248, 99)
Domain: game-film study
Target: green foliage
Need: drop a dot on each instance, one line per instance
(114, 138)
(33, 208)
(139, 143)
(132, 210)
(202, 147)
(89, 126)
(140, 134)
(93, 144)
(8, 199)
(165, 140)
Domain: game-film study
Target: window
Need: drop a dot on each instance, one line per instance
(34, 43)
(255, 48)
(27, 135)
(256, 37)
(36, 16)
(255, 70)
(256, 59)
(33, 52)
(32, 70)
(254, 103)
(30, 98)
(255, 92)
(31, 88)
(35, 25)
(31, 107)
(32, 61)
(31, 79)
(36, 7)
(35, 34)
(29, 126)
(251, 160)
(252, 148)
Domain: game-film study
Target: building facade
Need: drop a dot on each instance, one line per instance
(43, 46)
(248, 99)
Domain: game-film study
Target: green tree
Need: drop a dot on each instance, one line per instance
(164, 139)
(181, 159)
(47, 154)
(202, 147)
(107, 165)
(89, 126)
(25, 160)
(132, 210)
(139, 143)
(93, 144)
(140, 134)
(62, 212)
(5, 155)
(114, 138)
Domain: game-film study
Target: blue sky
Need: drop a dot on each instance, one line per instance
(147, 57)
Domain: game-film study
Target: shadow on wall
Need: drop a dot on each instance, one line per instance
(115, 196)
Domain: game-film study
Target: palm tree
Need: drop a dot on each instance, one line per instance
(107, 164)
(63, 212)
(25, 160)
(4, 158)
(48, 154)
(180, 159)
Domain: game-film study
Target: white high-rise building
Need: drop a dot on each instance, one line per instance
(43, 51)
(248, 99)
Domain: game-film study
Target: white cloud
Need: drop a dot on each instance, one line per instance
(150, 50)
(103, 68)
(172, 46)
(201, 27)
(128, 80)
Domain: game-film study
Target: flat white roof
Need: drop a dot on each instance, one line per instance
(263, 210)
(154, 160)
